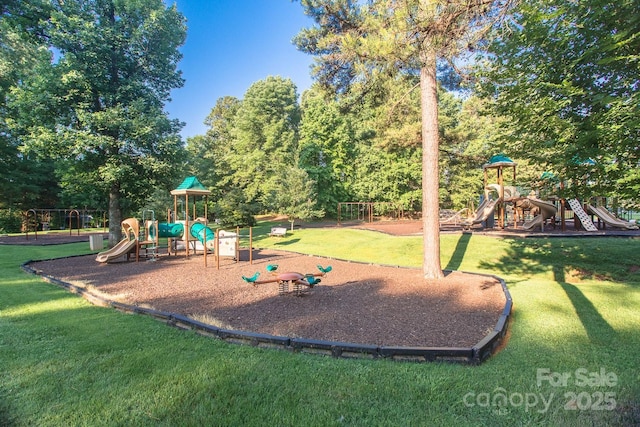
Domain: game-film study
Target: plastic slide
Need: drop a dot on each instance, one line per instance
(510, 192)
(201, 231)
(485, 209)
(122, 248)
(455, 218)
(609, 219)
(547, 210)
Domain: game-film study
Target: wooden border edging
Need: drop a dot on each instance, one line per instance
(473, 355)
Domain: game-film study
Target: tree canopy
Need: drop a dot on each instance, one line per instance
(568, 75)
(83, 86)
(97, 104)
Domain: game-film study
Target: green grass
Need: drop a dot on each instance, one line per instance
(576, 307)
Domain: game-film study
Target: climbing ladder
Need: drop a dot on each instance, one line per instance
(576, 207)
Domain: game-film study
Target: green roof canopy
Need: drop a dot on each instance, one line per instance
(499, 160)
(549, 176)
(577, 160)
(190, 186)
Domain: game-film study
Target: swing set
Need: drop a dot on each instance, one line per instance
(369, 211)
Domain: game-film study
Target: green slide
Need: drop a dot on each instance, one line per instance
(199, 231)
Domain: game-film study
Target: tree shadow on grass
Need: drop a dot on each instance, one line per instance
(458, 254)
(286, 242)
(536, 257)
(596, 327)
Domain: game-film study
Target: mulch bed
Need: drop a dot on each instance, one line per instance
(357, 303)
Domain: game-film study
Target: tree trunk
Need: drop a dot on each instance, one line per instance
(430, 177)
(115, 216)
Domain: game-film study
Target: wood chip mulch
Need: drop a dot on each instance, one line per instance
(357, 303)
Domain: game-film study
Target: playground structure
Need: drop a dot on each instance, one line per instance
(547, 211)
(188, 231)
(542, 210)
(482, 214)
(498, 201)
(139, 237)
(301, 283)
(496, 206)
(499, 163)
(190, 235)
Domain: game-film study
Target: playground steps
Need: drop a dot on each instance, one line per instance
(576, 207)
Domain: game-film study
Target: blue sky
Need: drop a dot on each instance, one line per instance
(230, 45)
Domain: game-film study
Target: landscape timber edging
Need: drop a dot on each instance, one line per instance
(470, 355)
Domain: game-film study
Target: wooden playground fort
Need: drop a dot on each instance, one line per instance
(501, 203)
(540, 212)
(221, 242)
(184, 231)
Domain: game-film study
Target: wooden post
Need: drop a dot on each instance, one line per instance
(175, 219)
(175, 209)
(250, 245)
(217, 248)
(205, 245)
(237, 244)
(501, 195)
(186, 224)
(486, 192)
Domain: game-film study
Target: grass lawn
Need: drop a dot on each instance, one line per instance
(572, 357)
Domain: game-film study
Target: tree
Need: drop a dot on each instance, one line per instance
(211, 157)
(210, 154)
(100, 103)
(26, 180)
(355, 41)
(388, 176)
(327, 149)
(567, 75)
(265, 137)
(294, 195)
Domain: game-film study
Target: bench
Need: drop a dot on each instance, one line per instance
(278, 231)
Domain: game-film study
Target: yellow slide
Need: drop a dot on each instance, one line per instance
(609, 219)
(122, 248)
(131, 230)
(485, 209)
(547, 210)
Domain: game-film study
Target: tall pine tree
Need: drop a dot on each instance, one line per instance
(353, 41)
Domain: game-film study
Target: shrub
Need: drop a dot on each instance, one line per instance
(10, 221)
